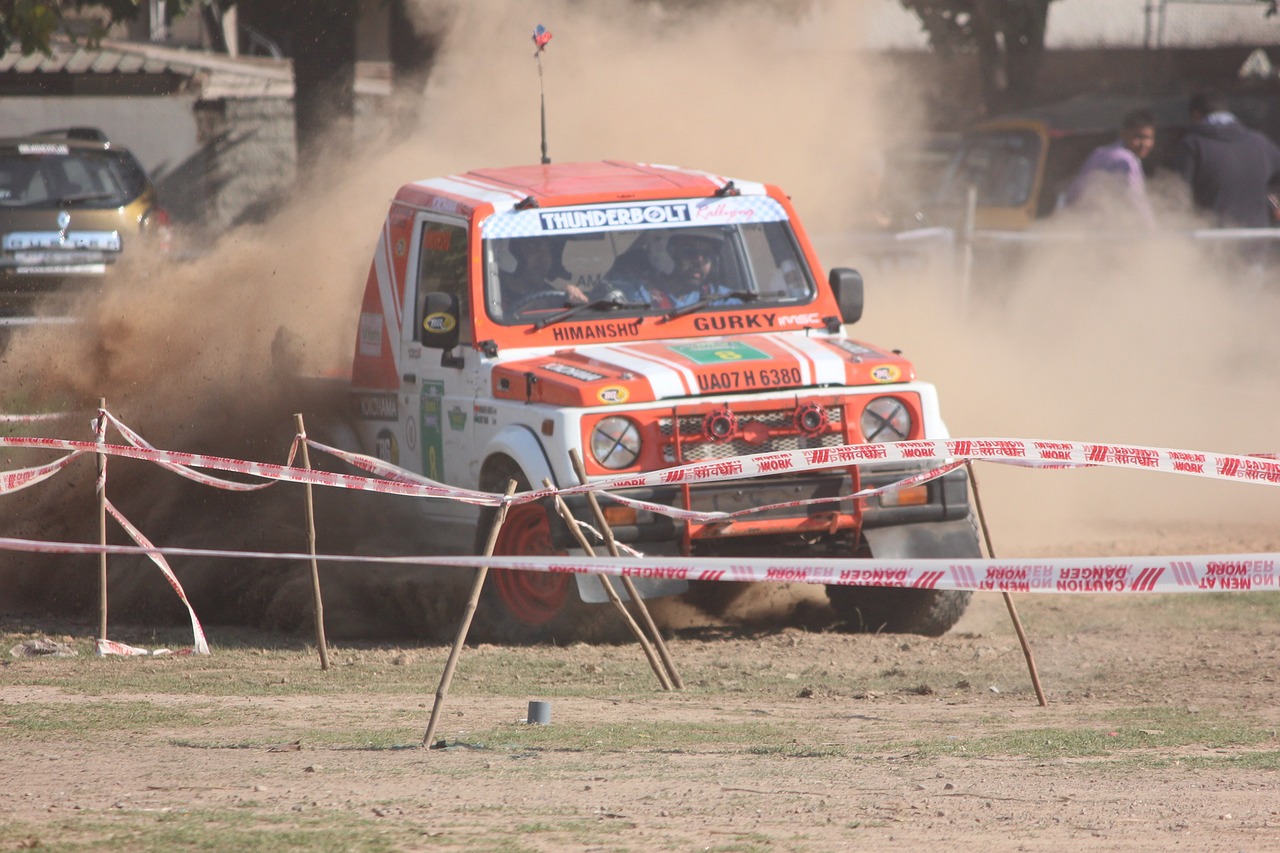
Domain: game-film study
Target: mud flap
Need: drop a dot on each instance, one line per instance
(930, 539)
(592, 591)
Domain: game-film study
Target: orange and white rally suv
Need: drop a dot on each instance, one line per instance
(465, 373)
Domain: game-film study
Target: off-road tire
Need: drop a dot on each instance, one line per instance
(573, 619)
(873, 610)
(903, 610)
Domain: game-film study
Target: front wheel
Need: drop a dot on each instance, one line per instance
(906, 610)
(873, 610)
(535, 607)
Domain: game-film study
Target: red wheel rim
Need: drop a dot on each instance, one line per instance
(533, 598)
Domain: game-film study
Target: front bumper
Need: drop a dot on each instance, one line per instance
(947, 500)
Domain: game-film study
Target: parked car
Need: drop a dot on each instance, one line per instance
(72, 204)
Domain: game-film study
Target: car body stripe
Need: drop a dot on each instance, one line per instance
(669, 381)
(384, 268)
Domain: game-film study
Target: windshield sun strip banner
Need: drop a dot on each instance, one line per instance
(669, 213)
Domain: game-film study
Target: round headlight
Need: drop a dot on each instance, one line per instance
(615, 442)
(886, 419)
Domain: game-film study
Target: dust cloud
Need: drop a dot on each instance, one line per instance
(1103, 335)
(1145, 343)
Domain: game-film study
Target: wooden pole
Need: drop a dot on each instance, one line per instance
(627, 583)
(318, 607)
(572, 524)
(101, 485)
(1008, 599)
(467, 613)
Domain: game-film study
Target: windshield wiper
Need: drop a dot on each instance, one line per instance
(740, 295)
(614, 301)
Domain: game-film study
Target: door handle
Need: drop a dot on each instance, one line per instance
(410, 378)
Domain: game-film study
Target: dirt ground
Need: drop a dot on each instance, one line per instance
(865, 742)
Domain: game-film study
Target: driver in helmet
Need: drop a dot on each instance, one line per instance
(695, 261)
(682, 270)
(537, 271)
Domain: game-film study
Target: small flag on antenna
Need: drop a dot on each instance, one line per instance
(541, 35)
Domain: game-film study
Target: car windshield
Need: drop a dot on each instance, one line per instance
(645, 259)
(1000, 164)
(56, 175)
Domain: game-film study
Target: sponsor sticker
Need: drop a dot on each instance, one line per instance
(886, 373)
(613, 394)
(432, 432)
(620, 216)
(371, 335)
(572, 372)
(378, 407)
(439, 323)
(716, 352)
(386, 447)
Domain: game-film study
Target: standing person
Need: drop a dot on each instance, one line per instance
(1228, 166)
(1112, 177)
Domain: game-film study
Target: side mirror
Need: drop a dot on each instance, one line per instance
(440, 321)
(847, 286)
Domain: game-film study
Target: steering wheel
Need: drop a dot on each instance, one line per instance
(543, 299)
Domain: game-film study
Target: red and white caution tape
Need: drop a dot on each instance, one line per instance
(1251, 469)
(185, 471)
(1144, 574)
(200, 644)
(42, 418)
(712, 517)
(13, 481)
(112, 647)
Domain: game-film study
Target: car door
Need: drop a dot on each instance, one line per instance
(440, 388)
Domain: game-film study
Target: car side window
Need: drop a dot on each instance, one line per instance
(442, 267)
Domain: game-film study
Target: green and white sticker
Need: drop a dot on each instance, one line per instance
(432, 429)
(719, 352)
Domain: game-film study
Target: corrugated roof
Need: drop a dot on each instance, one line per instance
(213, 75)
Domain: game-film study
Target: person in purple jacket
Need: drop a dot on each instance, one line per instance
(1111, 180)
(1228, 167)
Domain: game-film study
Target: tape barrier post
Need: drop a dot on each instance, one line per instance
(572, 524)
(1008, 597)
(627, 583)
(100, 433)
(311, 546)
(468, 612)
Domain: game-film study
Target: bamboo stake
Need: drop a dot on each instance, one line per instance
(1008, 599)
(311, 544)
(101, 487)
(627, 583)
(572, 524)
(468, 612)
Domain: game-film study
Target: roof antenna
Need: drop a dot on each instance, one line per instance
(542, 35)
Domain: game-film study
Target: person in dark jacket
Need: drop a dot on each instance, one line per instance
(1228, 167)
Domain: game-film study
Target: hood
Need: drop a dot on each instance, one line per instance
(694, 367)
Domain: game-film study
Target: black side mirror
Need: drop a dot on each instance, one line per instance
(440, 321)
(847, 286)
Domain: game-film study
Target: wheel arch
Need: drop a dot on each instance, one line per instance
(516, 446)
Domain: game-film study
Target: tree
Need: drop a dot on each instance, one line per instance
(32, 24)
(1007, 35)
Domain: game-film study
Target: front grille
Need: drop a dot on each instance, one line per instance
(783, 436)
